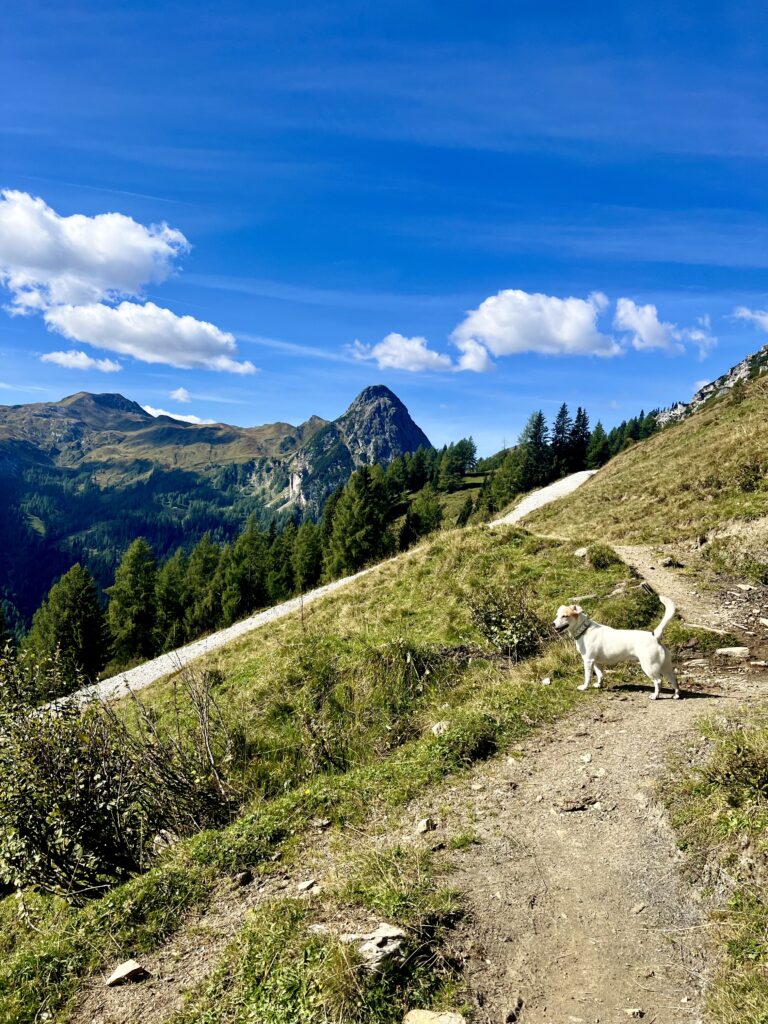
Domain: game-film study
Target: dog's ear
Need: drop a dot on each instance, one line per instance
(576, 609)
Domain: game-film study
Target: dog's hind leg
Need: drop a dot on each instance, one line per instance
(669, 675)
(656, 684)
(600, 675)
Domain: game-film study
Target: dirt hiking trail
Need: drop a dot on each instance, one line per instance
(577, 907)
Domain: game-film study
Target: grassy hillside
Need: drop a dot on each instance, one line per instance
(680, 483)
(333, 711)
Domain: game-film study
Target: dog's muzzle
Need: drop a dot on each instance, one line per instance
(560, 629)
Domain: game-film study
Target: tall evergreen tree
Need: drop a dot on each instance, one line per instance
(360, 533)
(280, 579)
(171, 598)
(598, 450)
(245, 578)
(203, 610)
(132, 609)
(71, 620)
(307, 557)
(536, 468)
(427, 511)
(450, 475)
(578, 442)
(560, 444)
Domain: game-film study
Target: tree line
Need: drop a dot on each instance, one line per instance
(547, 453)
(155, 606)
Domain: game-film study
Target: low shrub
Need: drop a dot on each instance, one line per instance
(602, 556)
(505, 617)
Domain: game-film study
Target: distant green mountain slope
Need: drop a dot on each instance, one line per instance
(83, 477)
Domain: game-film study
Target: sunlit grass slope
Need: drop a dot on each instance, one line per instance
(333, 710)
(682, 482)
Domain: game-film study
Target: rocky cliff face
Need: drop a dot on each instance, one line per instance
(749, 368)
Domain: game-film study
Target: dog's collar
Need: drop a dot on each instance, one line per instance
(583, 629)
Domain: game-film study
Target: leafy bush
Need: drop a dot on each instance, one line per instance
(83, 792)
(505, 618)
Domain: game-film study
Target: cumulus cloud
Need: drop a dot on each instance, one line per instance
(175, 416)
(150, 334)
(648, 332)
(180, 395)
(73, 360)
(474, 356)
(396, 352)
(759, 317)
(49, 260)
(515, 321)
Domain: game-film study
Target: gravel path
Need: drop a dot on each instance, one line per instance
(543, 497)
(143, 675)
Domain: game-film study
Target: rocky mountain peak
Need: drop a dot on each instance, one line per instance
(377, 427)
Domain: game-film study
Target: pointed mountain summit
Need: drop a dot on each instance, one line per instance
(377, 427)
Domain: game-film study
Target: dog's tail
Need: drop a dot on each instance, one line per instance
(669, 614)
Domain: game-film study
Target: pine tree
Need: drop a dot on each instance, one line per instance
(171, 598)
(466, 451)
(71, 620)
(598, 450)
(245, 578)
(561, 442)
(427, 511)
(451, 472)
(360, 533)
(132, 610)
(280, 579)
(507, 481)
(536, 467)
(202, 613)
(578, 442)
(307, 557)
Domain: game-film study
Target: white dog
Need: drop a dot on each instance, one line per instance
(601, 646)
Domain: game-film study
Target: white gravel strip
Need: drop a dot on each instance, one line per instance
(143, 675)
(543, 497)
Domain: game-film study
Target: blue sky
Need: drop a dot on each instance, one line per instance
(488, 207)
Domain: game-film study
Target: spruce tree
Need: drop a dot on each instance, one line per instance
(598, 450)
(427, 511)
(451, 472)
(132, 609)
(71, 621)
(307, 557)
(245, 578)
(360, 533)
(536, 468)
(203, 611)
(281, 583)
(171, 598)
(578, 442)
(560, 444)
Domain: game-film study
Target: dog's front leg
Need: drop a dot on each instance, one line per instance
(588, 666)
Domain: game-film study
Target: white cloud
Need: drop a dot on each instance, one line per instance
(49, 260)
(648, 332)
(180, 395)
(759, 317)
(150, 334)
(514, 321)
(645, 327)
(174, 416)
(474, 356)
(396, 352)
(80, 361)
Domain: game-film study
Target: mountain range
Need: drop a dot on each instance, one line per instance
(82, 477)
